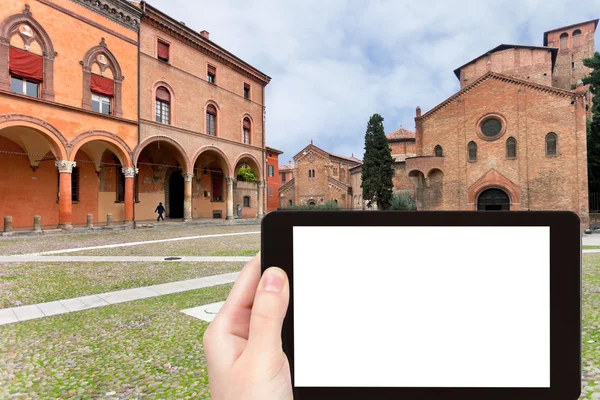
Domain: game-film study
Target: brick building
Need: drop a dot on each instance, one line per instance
(273, 178)
(201, 119)
(316, 178)
(112, 107)
(68, 109)
(514, 136)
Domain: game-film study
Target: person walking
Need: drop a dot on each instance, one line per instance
(160, 210)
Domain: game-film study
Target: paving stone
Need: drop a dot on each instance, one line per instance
(7, 316)
(167, 288)
(73, 304)
(52, 308)
(92, 301)
(127, 295)
(206, 312)
(25, 313)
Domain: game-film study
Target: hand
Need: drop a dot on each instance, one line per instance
(243, 349)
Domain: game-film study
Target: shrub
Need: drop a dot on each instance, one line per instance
(402, 201)
(246, 175)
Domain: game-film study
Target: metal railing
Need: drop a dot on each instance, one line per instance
(594, 202)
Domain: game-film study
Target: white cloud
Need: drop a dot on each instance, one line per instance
(334, 62)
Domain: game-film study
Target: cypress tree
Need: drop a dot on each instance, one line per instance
(377, 170)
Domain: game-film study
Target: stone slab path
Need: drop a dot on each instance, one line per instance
(207, 312)
(34, 258)
(24, 313)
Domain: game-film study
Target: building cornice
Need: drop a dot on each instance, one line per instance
(118, 11)
(164, 23)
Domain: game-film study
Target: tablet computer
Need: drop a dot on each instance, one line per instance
(430, 305)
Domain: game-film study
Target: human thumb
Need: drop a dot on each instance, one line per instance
(268, 311)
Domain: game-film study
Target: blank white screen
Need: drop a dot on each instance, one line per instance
(422, 306)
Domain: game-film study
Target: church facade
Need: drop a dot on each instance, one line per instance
(514, 136)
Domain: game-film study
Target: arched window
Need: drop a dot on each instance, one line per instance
(30, 56)
(311, 173)
(247, 130)
(438, 151)
(472, 150)
(551, 144)
(312, 203)
(246, 201)
(102, 81)
(163, 105)
(577, 39)
(290, 203)
(211, 120)
(511, 148)
(564, 41)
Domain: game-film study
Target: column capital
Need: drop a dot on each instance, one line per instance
(65, 166)
(230, 181)
(129, 172)
(261, 184)
(187, 177)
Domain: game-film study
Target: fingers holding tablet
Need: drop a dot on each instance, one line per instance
(243, 347)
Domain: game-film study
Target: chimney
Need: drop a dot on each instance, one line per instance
(205, 34)
(290, 163)
(418, 111)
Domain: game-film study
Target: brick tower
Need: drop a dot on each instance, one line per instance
(574, 44)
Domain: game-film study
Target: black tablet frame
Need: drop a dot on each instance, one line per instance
(565, 294)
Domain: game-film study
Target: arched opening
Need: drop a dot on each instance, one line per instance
(247, 175)
(551, 144)
(493, 200)
(312, 203)
(290, 203)
(98, 181)
(27, 154)
(438, 151)
(176, 195)
(209, 185)
(211, 120)
(577, 38)
(564, 41)
(163, 105)
(157, 159)
(247, 131)
(511, 148)
(418, 180)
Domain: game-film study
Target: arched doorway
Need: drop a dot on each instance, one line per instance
(493, 200)
(176, 195)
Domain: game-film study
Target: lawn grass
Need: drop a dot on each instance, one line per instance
(32, 283)
(591, 326)
(242, 245)
(589, 247)
(144, 349)
(34, 244)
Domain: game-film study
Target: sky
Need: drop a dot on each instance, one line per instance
(334, 63)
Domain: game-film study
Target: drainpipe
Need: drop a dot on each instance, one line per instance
(264, 160)
(143, 4)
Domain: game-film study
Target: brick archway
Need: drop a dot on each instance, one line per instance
(494, 180)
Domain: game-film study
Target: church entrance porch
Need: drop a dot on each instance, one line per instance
(493, 200)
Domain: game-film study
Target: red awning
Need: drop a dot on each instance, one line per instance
(246, 123)
(163, 50)
(102, 85)
(162, 94)
(26, 65)
(211, 110)
(212, 70)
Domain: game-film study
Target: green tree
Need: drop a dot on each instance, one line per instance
(593, 126)
(377, 170)
(246, 175)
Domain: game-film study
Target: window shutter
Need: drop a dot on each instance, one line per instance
(26, 65)
(212, 70)
(163, 50)
(102, 85)
(163, 94)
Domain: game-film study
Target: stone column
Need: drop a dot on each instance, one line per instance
(261, 198)
(65, 207)
(230, 198)
(187, 197)
(129, 197)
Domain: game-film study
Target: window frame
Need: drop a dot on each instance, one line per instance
(514, 141)
(244, 202)
(211, 77)
(563, 37)
(161, 105)
(100, 100)
(579, 35)
(441, 151)
(270, 191)
(158, 40)
(472, 145)
(271, 171)
(548, 135)
(24, 83)
(247, 91)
